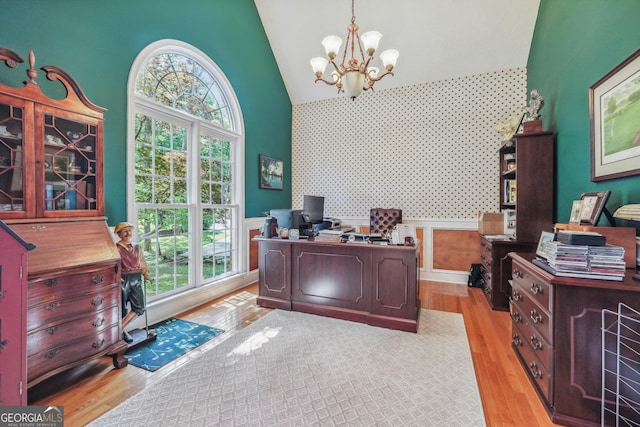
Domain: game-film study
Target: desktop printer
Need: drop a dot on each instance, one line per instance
(331, 223)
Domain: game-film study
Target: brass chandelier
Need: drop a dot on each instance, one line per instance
(354, 74)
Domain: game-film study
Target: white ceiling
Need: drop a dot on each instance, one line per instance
(437, 39)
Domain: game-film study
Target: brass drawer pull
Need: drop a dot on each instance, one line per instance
(3, 344)
(536, 289)
(98, 322)
(534, 370)
(52, 330)
(52, 354)
(53, 306)
(98, 343)
(516, 340)
(97, 301)
(516, 317)
(515, 295)
(52, 282)
(96, 280)
(535, 342)
(517, 274)
(535, 316)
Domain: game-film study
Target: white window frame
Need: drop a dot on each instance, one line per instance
(137, 103)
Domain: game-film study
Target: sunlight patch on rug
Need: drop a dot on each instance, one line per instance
(294, 369)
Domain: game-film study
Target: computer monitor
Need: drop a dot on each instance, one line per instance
(313, 206)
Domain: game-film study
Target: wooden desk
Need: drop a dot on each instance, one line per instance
(372, 284)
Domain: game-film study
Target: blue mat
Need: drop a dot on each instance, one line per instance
(175, 338)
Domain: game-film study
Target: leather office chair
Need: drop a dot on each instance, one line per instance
(382, 221)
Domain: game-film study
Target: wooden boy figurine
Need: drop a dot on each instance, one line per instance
(133, 268)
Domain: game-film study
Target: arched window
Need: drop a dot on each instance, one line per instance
(185, 151)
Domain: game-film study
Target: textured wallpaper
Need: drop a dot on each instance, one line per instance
(429, 149)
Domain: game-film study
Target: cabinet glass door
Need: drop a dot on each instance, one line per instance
(69, 164)
(12, 192)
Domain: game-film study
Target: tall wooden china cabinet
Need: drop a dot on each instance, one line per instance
(51, 195)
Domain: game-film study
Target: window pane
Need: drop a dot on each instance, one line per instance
(176, 81)
(217, 230)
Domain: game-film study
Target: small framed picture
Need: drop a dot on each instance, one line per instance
(271, 173)
(592, 206)
(576, 211)
(545, 237)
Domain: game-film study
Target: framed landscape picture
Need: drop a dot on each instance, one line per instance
(271, 173)
(614, 108)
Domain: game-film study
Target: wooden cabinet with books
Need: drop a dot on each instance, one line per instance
(51, 194)
(527, 170)
(50, 149)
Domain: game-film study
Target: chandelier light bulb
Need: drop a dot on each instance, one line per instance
(372, 72)
(318, 64)
(389, 58)
(331, 45)
(370, 41)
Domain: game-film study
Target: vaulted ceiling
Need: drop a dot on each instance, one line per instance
(437, 39)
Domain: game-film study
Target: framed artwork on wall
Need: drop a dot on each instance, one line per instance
(271, 173)
(614, 108)
(592, 206)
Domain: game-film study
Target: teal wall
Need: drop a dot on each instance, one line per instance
(96, 42)
(575, 43)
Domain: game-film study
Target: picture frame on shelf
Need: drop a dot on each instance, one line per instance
(576, 211)
(613, 115)
(545, 236)
(592, 206)
(271, 173)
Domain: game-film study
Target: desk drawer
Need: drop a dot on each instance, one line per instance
(51, 312)
(71, 285)
(52, 358)
(535, 286)
(532, 313)
(536, 371)
(530, 336)
(62, 333)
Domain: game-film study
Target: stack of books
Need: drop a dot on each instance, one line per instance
(588, 261)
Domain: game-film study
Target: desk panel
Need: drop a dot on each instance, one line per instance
(359, 282)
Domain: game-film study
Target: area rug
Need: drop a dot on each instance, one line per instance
(175, 338)
(297, 369)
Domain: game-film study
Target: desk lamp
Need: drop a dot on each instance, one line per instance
(630, 213)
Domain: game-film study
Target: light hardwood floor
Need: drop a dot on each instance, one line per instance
(508, 398)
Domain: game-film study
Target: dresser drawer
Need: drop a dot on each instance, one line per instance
(56, 288)
(51, 312)
(532, 313)
(530, 336)
(62, 333)
(534, 367)
(49, 359)
(535, 286)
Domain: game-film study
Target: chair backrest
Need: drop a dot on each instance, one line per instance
(382, 221)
